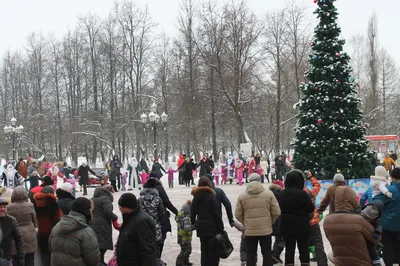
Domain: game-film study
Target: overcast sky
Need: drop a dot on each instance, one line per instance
(18, 18)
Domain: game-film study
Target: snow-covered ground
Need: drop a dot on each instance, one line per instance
(178, 195)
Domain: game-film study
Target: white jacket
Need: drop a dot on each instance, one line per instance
(378, 185)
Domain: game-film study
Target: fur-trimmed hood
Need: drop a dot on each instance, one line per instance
(43, 199)
(203, 189)
(149, 191)
(274, 188)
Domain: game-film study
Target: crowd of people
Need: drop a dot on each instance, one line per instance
(281, 216)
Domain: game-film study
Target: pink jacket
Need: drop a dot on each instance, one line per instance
(171, 174)
(144, 177)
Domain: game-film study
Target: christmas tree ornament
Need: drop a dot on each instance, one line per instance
(315, 1)
(337, 81)
(310, 43)
(315, 57)
(316, 88)
(319, 121)
(337, 54)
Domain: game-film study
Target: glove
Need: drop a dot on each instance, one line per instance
(321, 216)
(376, 236)
(189, 228)
(388, 194)
(116, 225)
(232, 223)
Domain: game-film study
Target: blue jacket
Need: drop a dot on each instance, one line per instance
(366, 196)
(223, 199)
(390, 219)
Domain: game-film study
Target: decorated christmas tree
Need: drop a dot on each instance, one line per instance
(330, 133)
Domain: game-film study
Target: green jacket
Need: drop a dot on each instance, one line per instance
(184, 225)
(73, 243)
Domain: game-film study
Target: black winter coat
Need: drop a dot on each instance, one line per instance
(205, 213)
(205, 167)
(136, 244)
(157, 168)
(277, 193)
(188, 168)
(296, 207)
(64, 201)
(103, 216)
(83, 172)
(10, 231)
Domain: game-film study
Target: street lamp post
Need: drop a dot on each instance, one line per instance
(13, 131)
(154, 120)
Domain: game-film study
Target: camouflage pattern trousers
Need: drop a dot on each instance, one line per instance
(183, 257)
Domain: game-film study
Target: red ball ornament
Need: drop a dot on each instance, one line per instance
(315, 1)
(316, 88)
(310, 43)
(337, 81)
(337, 54)
(319, 121)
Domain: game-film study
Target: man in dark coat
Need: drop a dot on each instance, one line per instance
(143, 165)
(83, 173)
(165, 223)
(136, 244)
(10, 230)
(116, 170)
(187, 167)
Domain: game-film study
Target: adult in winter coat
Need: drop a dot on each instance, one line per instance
(348, 231)
(276, 187)
(3, 261)
(205, 166)
(179, 163)
(24, 212)
(257, 209)
(157, 168)
(10, 177)
(390, 220)
(116, 170)
(151, 203)
(72, 241)
(23, 169)
(103, 218)
(46, 181)
(48, 215)
(296, 207)
(165, 224)
(206, 217)
(187, 168)
(65, 198)
(11, 232)
(83, 173)
(136, 244)
(329, 199)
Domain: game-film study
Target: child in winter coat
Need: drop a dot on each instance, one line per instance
(72, 180)
(123, 181)
(144, 176)
(185, 229)
(379, 182)
(217, 174)
(243, 247)
(224, 173)
(171, 177)
(372, 213)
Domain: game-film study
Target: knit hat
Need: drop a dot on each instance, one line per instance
(381, 172)
(371, 213)
(128, 200)
(254, 177)
(48, 190)
(278, 183)
(396, 173)
(47, 181)
(3, 201)
(186, 207)
(82, 205)
(338, 178)
(66, 187)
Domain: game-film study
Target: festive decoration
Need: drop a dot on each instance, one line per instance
(310, 43)
(328, 133)
(315, 1)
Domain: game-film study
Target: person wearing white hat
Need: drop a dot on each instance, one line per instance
(65, 198)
